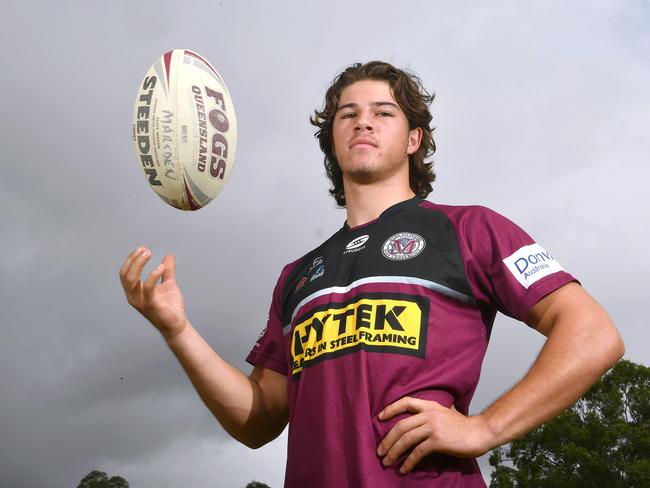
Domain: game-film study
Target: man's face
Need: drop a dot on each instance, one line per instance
(371, 136)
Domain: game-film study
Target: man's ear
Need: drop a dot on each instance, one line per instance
(415, 138)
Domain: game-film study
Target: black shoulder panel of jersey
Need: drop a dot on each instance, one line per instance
(407, 240)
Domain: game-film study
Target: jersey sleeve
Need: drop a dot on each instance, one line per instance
(269, 350)
(506, 268)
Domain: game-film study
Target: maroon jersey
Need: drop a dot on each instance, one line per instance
(401, 306)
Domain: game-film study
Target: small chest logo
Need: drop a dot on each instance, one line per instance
(403, 245)
(301, 283)
(318, 272)
(356, 244)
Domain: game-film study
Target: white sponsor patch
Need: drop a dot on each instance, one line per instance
(531, 263)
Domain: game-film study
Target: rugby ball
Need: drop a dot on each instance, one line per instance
(184, 129)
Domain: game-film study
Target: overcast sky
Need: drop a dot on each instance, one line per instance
(542, 113)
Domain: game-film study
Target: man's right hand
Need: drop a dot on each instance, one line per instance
(161, 303)
(254, 410)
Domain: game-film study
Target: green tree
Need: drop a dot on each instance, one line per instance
(99, 479)
(602, 440)
(257, 484)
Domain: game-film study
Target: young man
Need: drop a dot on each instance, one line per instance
(375, 339)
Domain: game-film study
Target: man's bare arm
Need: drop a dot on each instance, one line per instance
(252, 409)
(582, 344)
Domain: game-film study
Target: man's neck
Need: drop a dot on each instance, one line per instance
(365, 203)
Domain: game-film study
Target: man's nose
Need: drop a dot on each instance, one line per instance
(364, 121)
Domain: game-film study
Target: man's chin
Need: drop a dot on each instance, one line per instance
(362, 176)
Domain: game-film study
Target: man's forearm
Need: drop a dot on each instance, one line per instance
(582, 345)
(237, 401)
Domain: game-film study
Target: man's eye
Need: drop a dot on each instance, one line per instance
(348, 115)
(385, 114)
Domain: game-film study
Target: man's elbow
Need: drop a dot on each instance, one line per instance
(611, 346)
(260, 432)
(259, 440)
(255, 443)
(618, 347)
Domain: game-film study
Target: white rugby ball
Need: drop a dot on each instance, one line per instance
(184, 129)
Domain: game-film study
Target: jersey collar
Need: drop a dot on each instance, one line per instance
(392, 210)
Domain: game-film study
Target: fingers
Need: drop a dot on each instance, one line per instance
(165, 270)
(134, 264)
(417, 440)
(406, 404)
(135, 271)
(400, 438)
(421, 450)
(130, 274)
(127, 263)
(150, 283)
(413, 433)
(169, 272)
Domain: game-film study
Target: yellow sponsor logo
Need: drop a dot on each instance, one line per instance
(395, 325)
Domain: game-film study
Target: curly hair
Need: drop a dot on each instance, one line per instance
(414, 101)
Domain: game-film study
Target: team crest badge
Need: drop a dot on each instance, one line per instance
(403, 245)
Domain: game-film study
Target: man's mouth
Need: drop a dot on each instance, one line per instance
(363, 143)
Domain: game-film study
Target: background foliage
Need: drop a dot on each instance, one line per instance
(603, 440)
